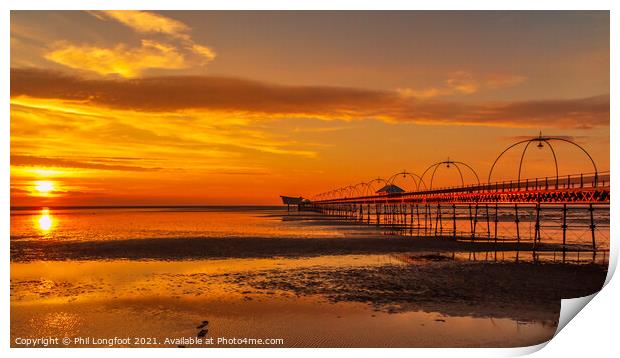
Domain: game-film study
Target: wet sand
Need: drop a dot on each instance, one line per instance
(247, 247)
(402, 300)
(521, 291)
(299, 322)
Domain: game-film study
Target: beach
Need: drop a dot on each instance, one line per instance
(312, 282)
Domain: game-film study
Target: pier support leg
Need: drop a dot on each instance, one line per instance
(517, 223)
(471, 221)
(437, 215)
(430, 219)
(473, 233)
(488, 223)
(454, 221)
(412, 220)
(592, 227)
(536, 229)
(425, 220)
(417, 213)
(440, 220)
(564, 226)
(496, 221)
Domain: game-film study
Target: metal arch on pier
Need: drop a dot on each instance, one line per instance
(370, 190)
(358, 190)
(347, 190)
(540, 145)
(361, 188)
(354, 190)
(417, 180)
(343, 192)
(448, 163)
(541, 139)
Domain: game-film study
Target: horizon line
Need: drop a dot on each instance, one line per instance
(26, 207)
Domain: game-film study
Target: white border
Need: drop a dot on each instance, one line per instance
(591, 333)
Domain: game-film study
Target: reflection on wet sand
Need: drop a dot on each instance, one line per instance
(300, 322)
(393, 291)
(323, 301)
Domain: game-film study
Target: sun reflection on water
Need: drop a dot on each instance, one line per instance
(45, 221)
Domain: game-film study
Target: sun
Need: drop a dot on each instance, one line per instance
(44, 186)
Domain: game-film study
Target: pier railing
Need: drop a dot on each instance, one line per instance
(565, 184)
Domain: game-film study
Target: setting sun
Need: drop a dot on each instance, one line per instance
(44, 186)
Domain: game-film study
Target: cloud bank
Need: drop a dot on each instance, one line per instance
(27, 160)
(265, 100)
(464, 83)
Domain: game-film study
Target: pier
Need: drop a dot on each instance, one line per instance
(569, 211)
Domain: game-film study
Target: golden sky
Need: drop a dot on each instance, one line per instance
(228, 108)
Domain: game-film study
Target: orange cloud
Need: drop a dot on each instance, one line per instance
(148, 22)
(220, 138)
(460, 82)
(421, 94)
(497, 81)
(204, 51)
(257, 100)
(176, 50)
(119, 60)
(93, 163)
(463, 82)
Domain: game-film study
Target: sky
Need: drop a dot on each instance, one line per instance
(239, 107)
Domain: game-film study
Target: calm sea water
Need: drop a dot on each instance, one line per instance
(136, 223)
(94, 224)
